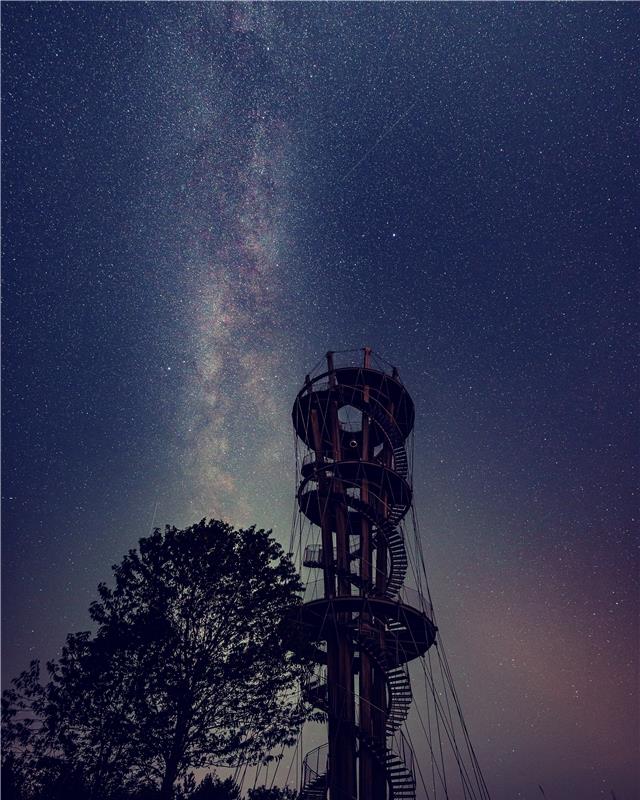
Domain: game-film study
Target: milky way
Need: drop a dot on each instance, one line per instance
(233, 254)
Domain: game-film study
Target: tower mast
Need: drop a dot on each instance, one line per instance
(355, 488)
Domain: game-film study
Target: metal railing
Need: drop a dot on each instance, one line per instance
(312, 555)
(415, 599)
(315, 765)
(402, 748)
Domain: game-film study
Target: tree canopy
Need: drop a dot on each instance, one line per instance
(193, 663)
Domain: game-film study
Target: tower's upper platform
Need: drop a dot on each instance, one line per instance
(373, 392)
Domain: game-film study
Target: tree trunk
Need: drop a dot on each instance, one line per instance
(172, 764)
(169, 778)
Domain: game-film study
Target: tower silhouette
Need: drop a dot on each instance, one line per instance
(355, 489)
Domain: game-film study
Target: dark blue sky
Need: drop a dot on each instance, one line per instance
(200, 200)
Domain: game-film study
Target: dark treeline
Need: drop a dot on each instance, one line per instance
(193, 663)
(69, 784)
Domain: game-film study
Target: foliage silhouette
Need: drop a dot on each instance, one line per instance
(271, 793)
(194, 663)
(213, 788)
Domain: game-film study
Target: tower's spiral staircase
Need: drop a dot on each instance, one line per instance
(355, 485)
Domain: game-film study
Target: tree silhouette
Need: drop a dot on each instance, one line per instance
(194, 663)
(211, 787)
(271, 793)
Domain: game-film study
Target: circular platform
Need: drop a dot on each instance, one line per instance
(383, 483)
(408, 632)
(387, 397)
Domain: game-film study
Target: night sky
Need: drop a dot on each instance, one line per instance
(200, 200)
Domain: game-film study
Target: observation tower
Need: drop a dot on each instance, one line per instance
(355, 490)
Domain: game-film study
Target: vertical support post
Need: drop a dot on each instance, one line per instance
(323, 501)
(342, 740)
(379, 689)
(365, 532)
(367, 765)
